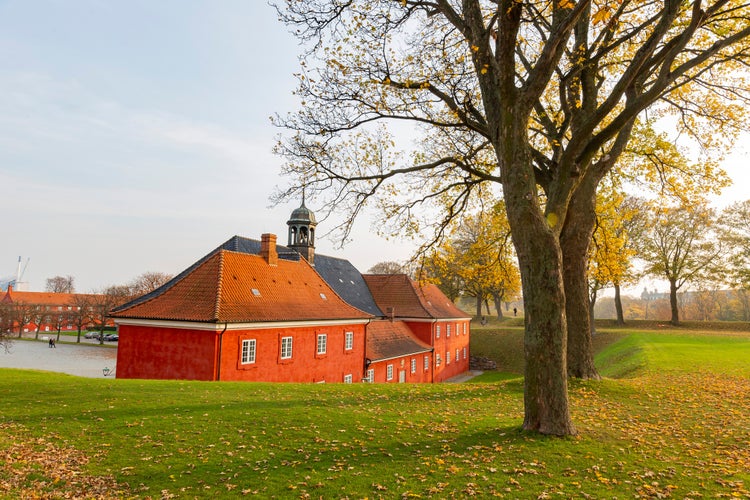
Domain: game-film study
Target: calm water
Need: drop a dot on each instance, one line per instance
(84, 360)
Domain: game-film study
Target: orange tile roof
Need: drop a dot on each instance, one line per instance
(395, 292)
(43, 298)
(238, 287)
(437, 304)
(410, 300)
(392, 339)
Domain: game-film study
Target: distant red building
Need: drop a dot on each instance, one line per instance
(258, 311)
(46, 312)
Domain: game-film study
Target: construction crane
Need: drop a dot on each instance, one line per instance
(17, 281)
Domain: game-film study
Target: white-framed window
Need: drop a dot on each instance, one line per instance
(348, 379)
(414, 365)
(370, 375)
(286, 347)
(322, 343)
(437, 359)
(447, 357)
(426, 363)
(448, 330)
(437, 331)
(464, 328)
(248, 351)
(389, 372)
(349, 341)
(458, 354)
(464, 353)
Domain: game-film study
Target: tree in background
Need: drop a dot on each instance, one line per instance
(620, 224)
(387, 267)
(611, 252)
(681, 246)
(441, 267)
(477, 260)
(6, 324)
(539, 98)
(21, 314)
(82, 312)
(61, 284)
(735, 227)
(103, 302)
(147, 282)
(60, 319)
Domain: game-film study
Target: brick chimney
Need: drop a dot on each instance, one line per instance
(268, 249)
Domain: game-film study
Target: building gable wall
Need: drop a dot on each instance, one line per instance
(166, 353)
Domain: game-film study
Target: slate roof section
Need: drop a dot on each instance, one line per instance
(392, 339)
(237, 287)
(343, 277)
(406, 299)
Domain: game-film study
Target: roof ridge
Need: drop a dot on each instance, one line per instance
(219, 285)
(417, 289)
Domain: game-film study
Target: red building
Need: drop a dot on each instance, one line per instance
(258, 311)
(430, 315)
(45, 312)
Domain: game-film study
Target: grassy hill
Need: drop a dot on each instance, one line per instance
(672, 421)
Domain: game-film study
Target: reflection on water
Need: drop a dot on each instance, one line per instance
(84, 360)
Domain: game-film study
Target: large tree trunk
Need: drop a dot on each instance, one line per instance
(545, 391)
(618, 306)
(546, 408)
(479, 306)
(575, 239)
(673, 302)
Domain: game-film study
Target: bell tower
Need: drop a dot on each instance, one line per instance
(302, 232)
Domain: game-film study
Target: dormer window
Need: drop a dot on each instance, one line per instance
(256, 292)
(323, 296)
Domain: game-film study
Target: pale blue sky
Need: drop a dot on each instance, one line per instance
(135, 136)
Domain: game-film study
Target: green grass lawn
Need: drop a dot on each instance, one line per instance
(671, 419)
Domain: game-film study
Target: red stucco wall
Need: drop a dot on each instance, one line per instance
(306, 365)
(404, 364)
(444, 344)
(165, 353)
(169, 353)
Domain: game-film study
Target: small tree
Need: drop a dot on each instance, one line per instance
(6, 323)
(735, 230)
(102, 304)
(681, 246)
(478, 259)
(147, 282)
(387, 267)
(81, 313)
(61, 284)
